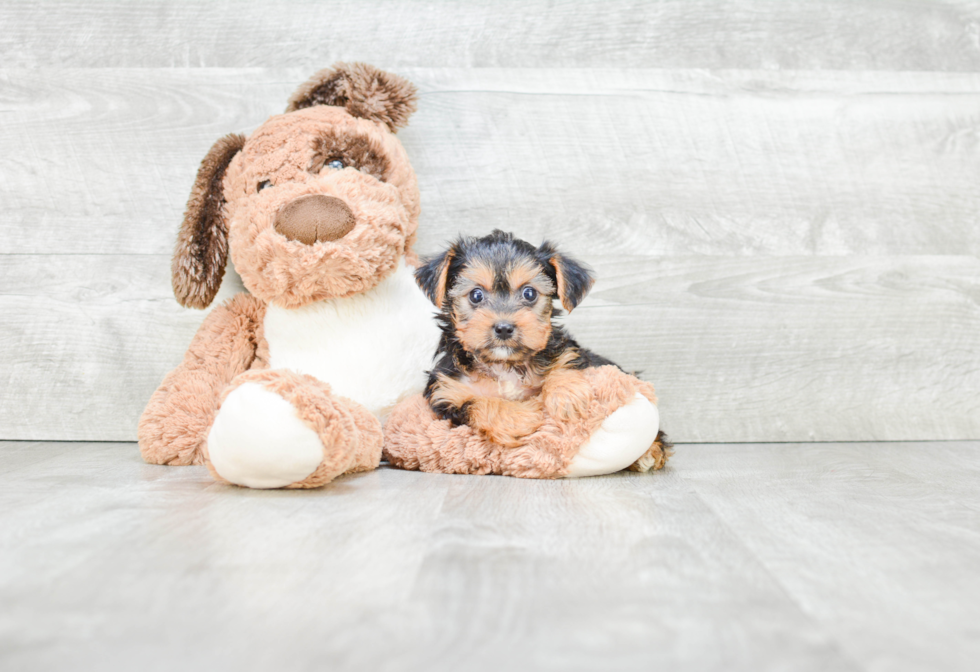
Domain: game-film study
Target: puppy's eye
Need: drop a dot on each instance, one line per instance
(263, 184)
(529, 294)
(476, 296)
(335, 164)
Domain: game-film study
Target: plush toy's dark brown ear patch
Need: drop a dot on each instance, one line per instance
(202, 242)
(363, 90)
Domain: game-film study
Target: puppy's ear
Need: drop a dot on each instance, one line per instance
(573, 279)
(433, 275)
(202, 242)
(363, 90)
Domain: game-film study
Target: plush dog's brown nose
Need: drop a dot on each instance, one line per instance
(314, 218)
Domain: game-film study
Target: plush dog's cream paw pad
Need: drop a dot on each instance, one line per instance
(257, 440)
(622, 438)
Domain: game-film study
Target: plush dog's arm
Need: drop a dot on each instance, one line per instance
(178, 416)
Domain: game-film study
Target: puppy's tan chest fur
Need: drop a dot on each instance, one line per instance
(503, 382)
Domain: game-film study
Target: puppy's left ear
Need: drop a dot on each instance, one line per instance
(573, 279)
(433, 275)
(361, 89)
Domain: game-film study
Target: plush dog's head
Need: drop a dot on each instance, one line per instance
(319, 202)
(496, 293)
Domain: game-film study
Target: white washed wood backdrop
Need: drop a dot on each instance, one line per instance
(781, 198)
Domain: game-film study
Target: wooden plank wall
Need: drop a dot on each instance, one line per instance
(780, 198)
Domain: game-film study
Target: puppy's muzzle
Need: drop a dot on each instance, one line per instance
(314, 218)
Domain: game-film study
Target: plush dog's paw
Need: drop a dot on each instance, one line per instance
(280, 429)
(258, 441)
(622, 439)
(567, 395)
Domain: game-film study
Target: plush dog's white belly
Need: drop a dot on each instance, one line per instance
(373, 348)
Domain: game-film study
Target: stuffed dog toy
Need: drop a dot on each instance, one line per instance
(286, 386)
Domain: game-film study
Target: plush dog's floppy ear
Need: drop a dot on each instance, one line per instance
(573, 279)
(363, 90)
(202, 242)
(433, 275)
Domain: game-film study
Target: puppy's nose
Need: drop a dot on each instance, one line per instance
(314, 218)
(503, 330)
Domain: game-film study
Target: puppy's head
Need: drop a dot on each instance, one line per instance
(319, 202)
(497, 293)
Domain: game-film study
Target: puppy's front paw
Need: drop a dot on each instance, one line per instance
(567, 395)
(511, 437)
(506, 423)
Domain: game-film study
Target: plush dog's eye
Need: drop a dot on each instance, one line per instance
(529, 294)
(263, 184)
(335, 164)
(476, 296)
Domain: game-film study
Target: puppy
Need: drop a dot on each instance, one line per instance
(501, 361)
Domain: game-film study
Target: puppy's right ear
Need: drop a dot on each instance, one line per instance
(202, 242)
(433, 275)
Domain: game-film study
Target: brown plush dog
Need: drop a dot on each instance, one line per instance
(286, 386)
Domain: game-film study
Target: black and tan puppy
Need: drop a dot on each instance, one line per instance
(501, 361)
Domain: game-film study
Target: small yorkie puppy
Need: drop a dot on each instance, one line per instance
(501, 362)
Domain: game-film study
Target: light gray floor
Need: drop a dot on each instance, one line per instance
(737, 557)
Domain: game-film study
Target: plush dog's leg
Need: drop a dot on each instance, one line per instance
(280, 429)
(175, 423)
(624, 437)
(629, 436)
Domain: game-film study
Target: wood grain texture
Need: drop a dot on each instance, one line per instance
(778, 211)
(796, 349)
(740, 349)
(651, 162)
(926, 35)
(600, 574)
(736, 557)
(103, 161)
(87, 339)
(870, 539)
(678, 163)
